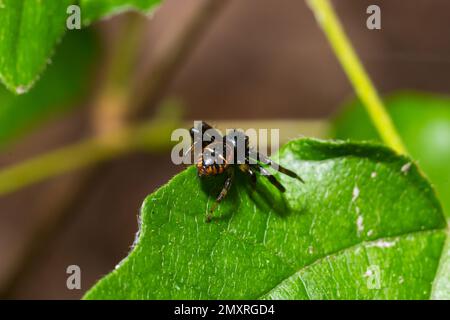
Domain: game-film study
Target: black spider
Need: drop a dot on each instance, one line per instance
(223, 154)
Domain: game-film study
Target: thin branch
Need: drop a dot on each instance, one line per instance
(159, 79)
(152, 136)
(328, 20)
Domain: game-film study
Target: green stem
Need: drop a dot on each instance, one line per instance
(354, 69)
(145, 137)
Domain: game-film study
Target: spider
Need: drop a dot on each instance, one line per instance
(220, 155)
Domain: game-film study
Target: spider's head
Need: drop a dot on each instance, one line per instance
(204, 134)
(238, 141)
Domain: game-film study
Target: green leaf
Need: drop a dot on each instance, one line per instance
(358, 216)
(423, 121)
(60, 89)
(29, 31)
(441, 288)
(97, 9)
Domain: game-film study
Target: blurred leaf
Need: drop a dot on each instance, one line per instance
(29, 31)
(64, 85)
(423, 121)
(97, 9)
(359, 215)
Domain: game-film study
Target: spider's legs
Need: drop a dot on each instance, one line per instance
(246, 169)
(191, 148)
(269, 176)
(290, 173)
(266, 160)
(222, 194)
(252, 177)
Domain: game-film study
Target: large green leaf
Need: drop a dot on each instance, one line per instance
(96, 9)
(29, 31)
(423, 121)
(360, 215)
(60, 89)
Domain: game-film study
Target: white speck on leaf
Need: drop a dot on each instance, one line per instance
(368, 273)
(406, 167)
(360, 224)
(400, 280)
(382, 244)
(310, 250)
(373, 175)
(21, 89)
(370, 232)
(355, 193)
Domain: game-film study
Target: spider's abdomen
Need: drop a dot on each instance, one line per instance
(211, 162)
(208, 167)
(210, 170)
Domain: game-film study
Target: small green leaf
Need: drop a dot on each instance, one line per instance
(360, 227)
(28, 33)
(97, 9)
(423, 121)
(63, 86)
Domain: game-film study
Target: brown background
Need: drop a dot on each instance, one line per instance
(262, 59)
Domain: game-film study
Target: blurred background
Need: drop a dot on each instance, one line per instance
(257, 60)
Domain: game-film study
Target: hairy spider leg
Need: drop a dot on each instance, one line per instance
(190, 149)
(246, 169)
(222, 194)
(269, 176)
(255, 155)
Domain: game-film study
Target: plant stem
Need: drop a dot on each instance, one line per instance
(92, 151)
(329, 22)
